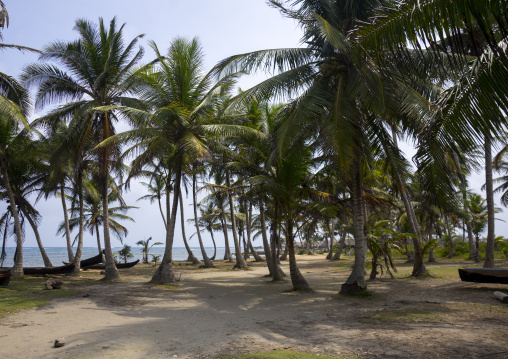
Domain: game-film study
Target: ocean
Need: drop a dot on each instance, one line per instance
(32, 255)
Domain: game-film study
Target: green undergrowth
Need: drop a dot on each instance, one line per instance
(29, 292)
(166, 286)
(282, 354)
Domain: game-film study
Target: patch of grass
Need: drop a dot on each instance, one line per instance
(27, 293)
(409, 315)
(166, 286)
(282, 354)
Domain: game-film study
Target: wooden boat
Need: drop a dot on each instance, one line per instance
(89, 261)
(49, 270)
(118, 265)
(484, 275)
(5, 278)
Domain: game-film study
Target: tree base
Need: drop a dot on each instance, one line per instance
(164, 275)
(352, 288)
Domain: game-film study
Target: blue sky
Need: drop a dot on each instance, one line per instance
(224, 27)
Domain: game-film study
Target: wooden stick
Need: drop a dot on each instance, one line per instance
(501, 296)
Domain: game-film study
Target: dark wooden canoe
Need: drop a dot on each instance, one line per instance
(89, 261)
(49, 270)
(5, 278)
(484, 275)
(118, 265)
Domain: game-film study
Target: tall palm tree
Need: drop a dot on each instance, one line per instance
(91, 77)
(339, 96)
(179, 129)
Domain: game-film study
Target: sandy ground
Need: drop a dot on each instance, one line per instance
(216, 312)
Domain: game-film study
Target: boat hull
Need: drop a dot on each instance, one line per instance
(484, 275)
(118, 265)
(5, 278)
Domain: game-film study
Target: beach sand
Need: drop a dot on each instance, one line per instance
(214, 311)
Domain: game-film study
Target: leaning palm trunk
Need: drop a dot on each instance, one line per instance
(297, 279)
(206, 260)
(17, 270)
(489, 252)
(45, 258)
(67, 227)
(192, 258)
(99, 247)
(277, 274)
(79, 249)
(356, 281)
(342, 244)
(463, 188)
(249, 233)
(450, 238)
(164, 274)
(240, 262)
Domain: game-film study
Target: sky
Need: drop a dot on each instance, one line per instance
(224, 28)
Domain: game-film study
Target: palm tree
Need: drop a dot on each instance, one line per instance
(179, 130)
(14, 108)
(146, 247)
(92, 78)
(339, 96)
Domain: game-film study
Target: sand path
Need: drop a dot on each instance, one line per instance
(226, 312)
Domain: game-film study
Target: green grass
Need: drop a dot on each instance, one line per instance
(29, 292)
(282, 354)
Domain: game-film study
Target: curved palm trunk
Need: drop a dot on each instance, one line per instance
(284, 255)
(489, 253)
(17, 270)
(256, 256)
(164, 274)
(463, 188)
(297, 279)
(356, 281)
(214, 246)
(330, 233)
(79, 249)
(162, 212)
(67, 227)
(45, 258)
(192, 258)
(206, 260)
(240, 262)
(450, 238)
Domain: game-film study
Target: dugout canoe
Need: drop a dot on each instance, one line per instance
(47, 270)
(89, 261)
(118, 265)
(5, 278)
(484, 275)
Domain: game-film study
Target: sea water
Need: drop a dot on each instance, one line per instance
(32, 256)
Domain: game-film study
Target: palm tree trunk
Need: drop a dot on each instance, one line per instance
(110, 272)
(66, 221)
(330, 234)
(192, 258)
(240, 262)
(214, 246)
(99, 247)
(450, 237)
(206, 260)
(356, 281)
(249, 234)
(164, 274)
(277, 274)
(342, 244)
(79, 249)
(17, 270)
(297, 279)
(162, 212)
(463, 188)
(489, 253)
(45, 258)
(227, 254)
(266, 245)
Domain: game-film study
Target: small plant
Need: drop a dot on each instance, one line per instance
(125, 253)
(155, 258)
(146, 248)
